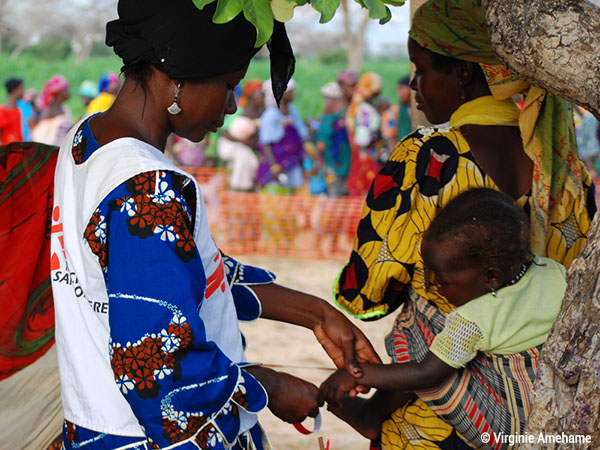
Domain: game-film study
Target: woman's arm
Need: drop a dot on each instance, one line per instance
(345, 344)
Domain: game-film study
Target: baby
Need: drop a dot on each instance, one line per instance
(476, 252)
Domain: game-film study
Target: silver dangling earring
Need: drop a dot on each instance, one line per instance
(494, 293)
(174, 109)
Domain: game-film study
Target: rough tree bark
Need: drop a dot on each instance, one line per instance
(555, 44)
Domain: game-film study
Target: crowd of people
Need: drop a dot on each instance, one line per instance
(29, 115)
(466, 231)
(270, 148)
(267, 147)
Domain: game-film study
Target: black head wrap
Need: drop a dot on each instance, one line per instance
(183, 41)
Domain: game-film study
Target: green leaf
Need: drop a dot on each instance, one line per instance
(200, 4)
(300, 2)
(387, 17)
(377, 10)
(395, 2)
(258, 12)
(327, 8)
(283, 10)
(227, 10)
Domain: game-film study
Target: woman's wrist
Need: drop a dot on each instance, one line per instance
(290, 306)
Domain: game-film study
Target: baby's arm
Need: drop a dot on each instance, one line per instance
(408, 377)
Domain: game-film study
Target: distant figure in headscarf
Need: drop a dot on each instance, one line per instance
(55, 116)
(347, 80)
(281, 138)
(252, 101)
(88, 92)
(363, 123)
(108, 86)
(242, 163)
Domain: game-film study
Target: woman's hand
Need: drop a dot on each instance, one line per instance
(292, 399)
(333, 388)
(345, 344)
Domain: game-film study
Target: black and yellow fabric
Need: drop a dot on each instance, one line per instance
(456, 28)
(426, 170)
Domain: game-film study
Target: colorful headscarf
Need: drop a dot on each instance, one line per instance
(456, 28)
(88, 88)
(52, 87)
(347, 76)
(369, 84)
(332, 90)
(106, 79)
(250, 87)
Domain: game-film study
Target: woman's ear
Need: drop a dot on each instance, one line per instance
(494, 278)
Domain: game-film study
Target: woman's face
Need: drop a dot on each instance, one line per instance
(257, 99)
(437, 92)
(458, 285)
(347, 89)
(204, 104)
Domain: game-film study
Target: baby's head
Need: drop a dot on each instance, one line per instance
(476, 244)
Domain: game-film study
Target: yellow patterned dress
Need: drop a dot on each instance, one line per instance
(426, 170)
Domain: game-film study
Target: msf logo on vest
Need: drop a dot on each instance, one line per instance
(58, 261)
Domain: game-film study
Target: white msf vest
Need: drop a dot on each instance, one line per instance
(90, 395)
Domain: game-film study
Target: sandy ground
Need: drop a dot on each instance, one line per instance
(279, 343)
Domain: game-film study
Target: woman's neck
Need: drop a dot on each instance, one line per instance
(135, 113)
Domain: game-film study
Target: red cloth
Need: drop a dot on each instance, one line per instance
(11, 129)
(27, 309)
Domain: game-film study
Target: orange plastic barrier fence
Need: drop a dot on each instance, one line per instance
(294, 226)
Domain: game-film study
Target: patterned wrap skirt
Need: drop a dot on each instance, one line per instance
(487, 399)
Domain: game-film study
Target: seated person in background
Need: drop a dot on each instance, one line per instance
(242, 163)
(478, 256)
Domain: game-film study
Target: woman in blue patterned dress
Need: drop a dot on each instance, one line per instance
(149, 349)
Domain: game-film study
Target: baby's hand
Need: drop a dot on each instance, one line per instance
(334, 387)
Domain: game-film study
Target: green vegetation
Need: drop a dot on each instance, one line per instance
(310, 76)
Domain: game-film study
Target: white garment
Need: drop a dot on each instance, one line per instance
(242, 164)
(91, 398)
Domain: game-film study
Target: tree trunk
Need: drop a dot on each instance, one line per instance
(355, 37)
(554, 44)
(566, 394)
(21, 45)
